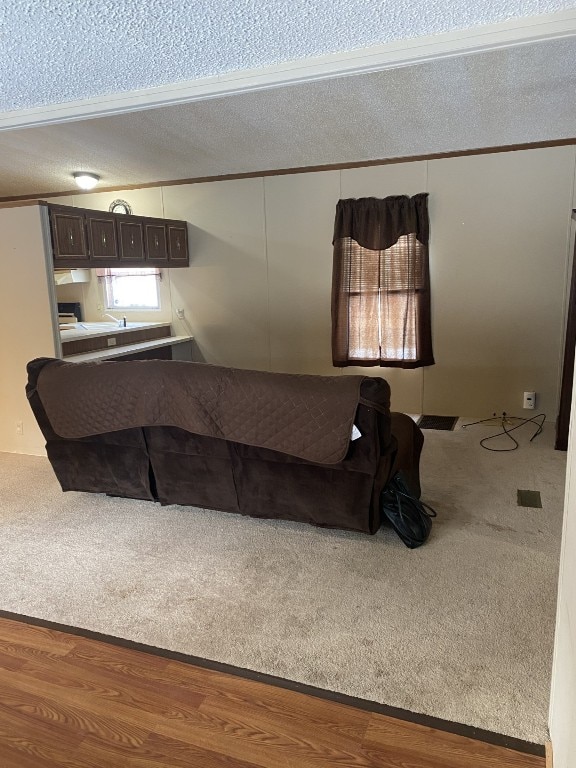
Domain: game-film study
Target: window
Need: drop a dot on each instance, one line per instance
(380, 283)
(131, 288)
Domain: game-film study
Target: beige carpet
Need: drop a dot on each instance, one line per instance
(461, 629)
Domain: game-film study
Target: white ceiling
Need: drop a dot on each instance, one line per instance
(56, 53)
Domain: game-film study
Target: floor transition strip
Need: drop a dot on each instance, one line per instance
(490, 737)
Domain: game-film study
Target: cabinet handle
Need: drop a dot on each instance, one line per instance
(132, 240)
(178, 244)
(156, 240)
(70, 236)
(103, 239)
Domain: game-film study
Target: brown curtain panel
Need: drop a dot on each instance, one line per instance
(381, 283)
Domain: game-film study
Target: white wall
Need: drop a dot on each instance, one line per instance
(563, 696)
(25, 323)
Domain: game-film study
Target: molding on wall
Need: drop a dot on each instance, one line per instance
(518, 31)
(549, 757)
(38, 197)
(14, 203)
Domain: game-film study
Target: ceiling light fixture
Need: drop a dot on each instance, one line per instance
(86, 180)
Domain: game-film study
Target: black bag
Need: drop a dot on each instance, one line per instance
(410, 517)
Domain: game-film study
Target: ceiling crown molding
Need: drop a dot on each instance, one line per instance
(518, 31)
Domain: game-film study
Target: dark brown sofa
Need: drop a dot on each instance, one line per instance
(263, 444)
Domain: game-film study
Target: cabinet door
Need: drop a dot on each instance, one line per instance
(156, 244)
(68, 238)
(177, 244)
(131, 240)
(102, 237)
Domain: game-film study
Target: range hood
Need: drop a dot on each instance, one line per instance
(64, 276)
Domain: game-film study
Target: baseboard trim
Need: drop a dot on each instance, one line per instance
(468, 731)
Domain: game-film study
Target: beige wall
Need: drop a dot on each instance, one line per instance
(299, 219)
(224, 292)
(257, 293)
(25, 323)
(499, 232)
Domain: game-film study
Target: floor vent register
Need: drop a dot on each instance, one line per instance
(427, 421)
(529, 499)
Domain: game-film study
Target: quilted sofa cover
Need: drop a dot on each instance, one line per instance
(263, 444)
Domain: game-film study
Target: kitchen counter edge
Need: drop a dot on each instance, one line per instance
(109, 354)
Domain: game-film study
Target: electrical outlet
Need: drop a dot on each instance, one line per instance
(112, 341)
(529, 400)
(19, 428)
(180, 313)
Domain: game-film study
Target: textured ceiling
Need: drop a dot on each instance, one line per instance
(55, 51)
(501, 97)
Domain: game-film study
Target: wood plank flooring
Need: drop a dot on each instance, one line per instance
(71, 702)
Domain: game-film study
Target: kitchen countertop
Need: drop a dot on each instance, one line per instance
(108, 354)
(76, 331)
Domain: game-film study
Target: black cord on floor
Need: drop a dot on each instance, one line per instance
(504, 419)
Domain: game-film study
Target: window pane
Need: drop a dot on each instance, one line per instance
(383, 311)
(136, 290)
(382, 326)
(363, 326)
(402, 267)
(398, 317)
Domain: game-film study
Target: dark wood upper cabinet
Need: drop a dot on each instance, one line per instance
(69, 238)
(102, 237)
(177, 243)
(156, 243)
(87, 238)
(130, 239)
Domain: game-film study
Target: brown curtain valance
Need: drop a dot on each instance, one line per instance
(379, 223)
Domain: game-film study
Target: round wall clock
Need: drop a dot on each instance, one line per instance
(120, 206)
